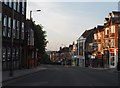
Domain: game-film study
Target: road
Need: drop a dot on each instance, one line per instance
(68, 76)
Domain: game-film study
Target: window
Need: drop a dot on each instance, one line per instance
(32, 37)
(8, 53)
(5, 25)
(18, 6)
(17, 53)
(99, 36)
(106, 31)
(3, 53)
(13, 53)
(14, 27)
(18, 28)
(33, 54)
(9, 27)
(5, 2)
(15, 5)
(22, 31)
(95, 36)
(10, 3)
(36, 55)
(113, 29)
(23, 7)
(112, 45)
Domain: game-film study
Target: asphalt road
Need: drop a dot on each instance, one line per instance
(68, 76)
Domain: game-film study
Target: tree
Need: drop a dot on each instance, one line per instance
(40, 42)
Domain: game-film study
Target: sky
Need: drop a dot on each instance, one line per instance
(64, 22)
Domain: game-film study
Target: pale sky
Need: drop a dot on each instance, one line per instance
(64, 22)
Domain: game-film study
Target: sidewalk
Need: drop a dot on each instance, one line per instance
(105, 69)
(20, 73)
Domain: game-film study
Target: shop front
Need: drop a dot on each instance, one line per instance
(113, 57)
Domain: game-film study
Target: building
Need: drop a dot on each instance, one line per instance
(84, 42)
(99, 37)
(31, 52)
(53, 56)
(99, 41)
(13, 34)
(111, 26)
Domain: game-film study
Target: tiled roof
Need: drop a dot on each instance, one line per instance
(116, 12)
(88, 32)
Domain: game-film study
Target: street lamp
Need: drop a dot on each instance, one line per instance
(31, 13)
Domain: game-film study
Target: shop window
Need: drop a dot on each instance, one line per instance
(112, 61)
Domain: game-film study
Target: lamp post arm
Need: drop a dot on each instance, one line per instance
(30, 15)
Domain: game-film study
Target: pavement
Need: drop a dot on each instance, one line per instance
(20, 73)
(105, 69)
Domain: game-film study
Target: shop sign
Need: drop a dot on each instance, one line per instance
(112, 50)
(117, 50)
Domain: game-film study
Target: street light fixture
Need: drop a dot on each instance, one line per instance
(31, 13)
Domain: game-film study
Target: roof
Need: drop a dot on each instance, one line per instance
(116, 12)
(115, 20)
(106, 19)
(100, 27)
(88, 32)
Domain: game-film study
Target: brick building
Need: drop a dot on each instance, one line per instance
(111, 26)
(31, 52)
(13, 36)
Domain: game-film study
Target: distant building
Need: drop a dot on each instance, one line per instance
(84, 47)
(54, 56)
